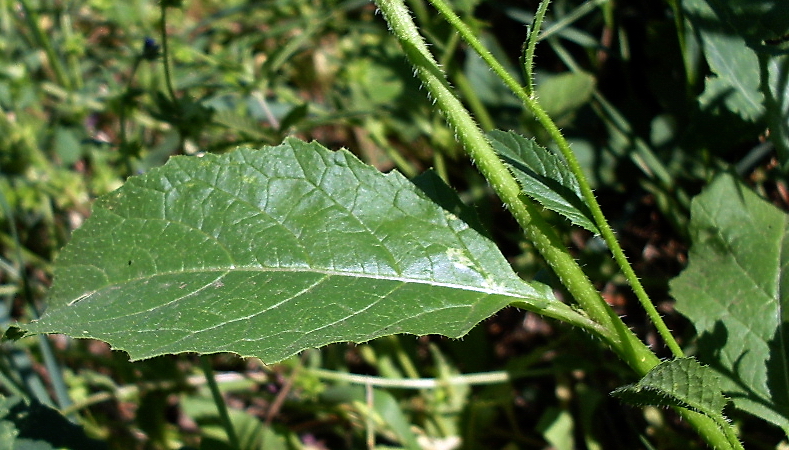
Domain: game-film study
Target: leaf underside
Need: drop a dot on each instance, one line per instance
(734, 292)
(543, 176)
(268, 252)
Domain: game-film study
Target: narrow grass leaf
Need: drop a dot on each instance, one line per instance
(242, 124)
(268, 252)
(734, 291)
(543, 176)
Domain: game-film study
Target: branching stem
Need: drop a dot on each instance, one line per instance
(575, 167)
(525, 212)
(616, 333)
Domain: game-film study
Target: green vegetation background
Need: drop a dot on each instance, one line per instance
(84, 104)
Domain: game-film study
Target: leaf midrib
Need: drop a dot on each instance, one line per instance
(326, 272)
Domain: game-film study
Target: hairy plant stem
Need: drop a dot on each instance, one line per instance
(615, 333)
(575, 167)
(525, 212)
(168, 76)
(126, 157)
(527, 59)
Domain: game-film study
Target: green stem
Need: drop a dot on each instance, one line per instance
(166, 53)
(572, 16)
(682, 41)
(403, 359)
(575, 167)
(617, 335)
(524, 211)
(126, 103)
(232, 437)
(473, 379)
(531, 45)
(168, 78)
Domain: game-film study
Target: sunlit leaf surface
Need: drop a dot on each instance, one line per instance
(735, 293)
(268, 252)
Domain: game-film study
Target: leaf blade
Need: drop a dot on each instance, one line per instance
(544, 177)
(681, 382)
(268, 252)
(734, 292)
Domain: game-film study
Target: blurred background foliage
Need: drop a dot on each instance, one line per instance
(653, 111)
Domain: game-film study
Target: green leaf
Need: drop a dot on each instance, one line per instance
(741, 40)
(487, 85)
(734, 290)
(241, 124)
(268, 252)
(387, 414)
(431, 185)
(557, 427)
(252, 433)
(735, 65)
(294, 117)
(680, 383)
(754, 20)
(8, 430)
(563, 93)
(37, 426)
(66, 145)
(543, 176)
(777, 104)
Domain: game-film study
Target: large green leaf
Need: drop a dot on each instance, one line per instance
(268, 252)
(735, 293)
